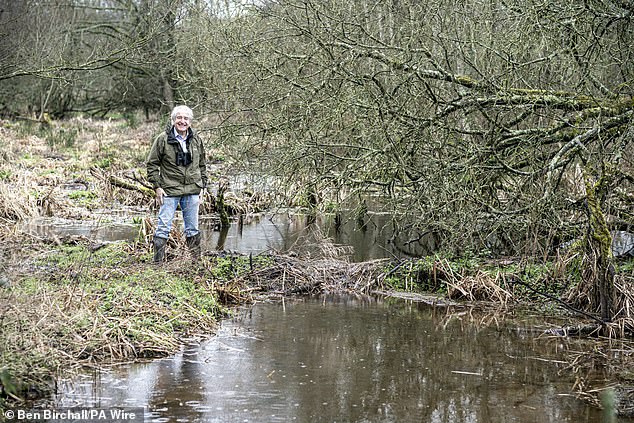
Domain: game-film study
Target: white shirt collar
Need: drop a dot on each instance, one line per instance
(182, 140)
(179, 136)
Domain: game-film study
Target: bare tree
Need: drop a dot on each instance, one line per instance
(502, 124)
(61, 56)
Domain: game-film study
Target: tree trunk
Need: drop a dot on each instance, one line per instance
(599, 266)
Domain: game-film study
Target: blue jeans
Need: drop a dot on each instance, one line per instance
(189, 207)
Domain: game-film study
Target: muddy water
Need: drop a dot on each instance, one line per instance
(304, 235)
(255, 234)
(349, 359)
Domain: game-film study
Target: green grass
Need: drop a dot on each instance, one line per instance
(82, 306)
(430, 274)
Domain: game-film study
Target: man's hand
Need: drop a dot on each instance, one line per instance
(159, 196)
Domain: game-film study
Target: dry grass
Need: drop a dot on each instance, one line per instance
(38, 177)
(475, 286)
(79, 304)
(294, 275)
(16, 202)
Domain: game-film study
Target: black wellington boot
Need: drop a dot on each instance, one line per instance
(159, 249)
(193, 243)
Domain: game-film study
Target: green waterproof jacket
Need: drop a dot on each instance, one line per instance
(178, 173)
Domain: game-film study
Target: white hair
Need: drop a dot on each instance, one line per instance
(184, 110)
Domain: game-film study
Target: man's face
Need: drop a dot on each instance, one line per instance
(182, 123)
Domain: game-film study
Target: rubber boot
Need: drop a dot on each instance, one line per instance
(193, 243)
(159, 249)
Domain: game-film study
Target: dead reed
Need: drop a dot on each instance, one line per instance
(290, 274)
(16, 203)
(474, 285)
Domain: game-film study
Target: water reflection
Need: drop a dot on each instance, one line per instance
(305, 234)
(347, 358)
(106, 230)
(256, 233)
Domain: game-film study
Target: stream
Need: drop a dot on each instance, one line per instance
(256, 233)
(349, 358)
(336, 358)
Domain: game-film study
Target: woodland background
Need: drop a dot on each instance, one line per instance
(503, 127)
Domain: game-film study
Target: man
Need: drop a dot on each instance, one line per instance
(177, 171)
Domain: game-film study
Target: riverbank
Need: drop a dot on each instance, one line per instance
(72, 303)
(75, 304)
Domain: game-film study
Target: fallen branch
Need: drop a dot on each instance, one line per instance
(122, 183)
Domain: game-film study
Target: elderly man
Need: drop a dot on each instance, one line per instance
(177, 171)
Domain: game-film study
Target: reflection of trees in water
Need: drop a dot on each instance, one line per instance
(377, 237)
(398, 361)
(306, 234)
(357, 358)
(177, 386)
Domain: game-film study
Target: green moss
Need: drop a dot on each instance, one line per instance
(64, 257)
(103, 163)
(418, 275)
(28, 286)
(113, 254)
(82, 195)
(75, 257)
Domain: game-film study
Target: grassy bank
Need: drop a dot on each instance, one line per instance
(71, 305)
